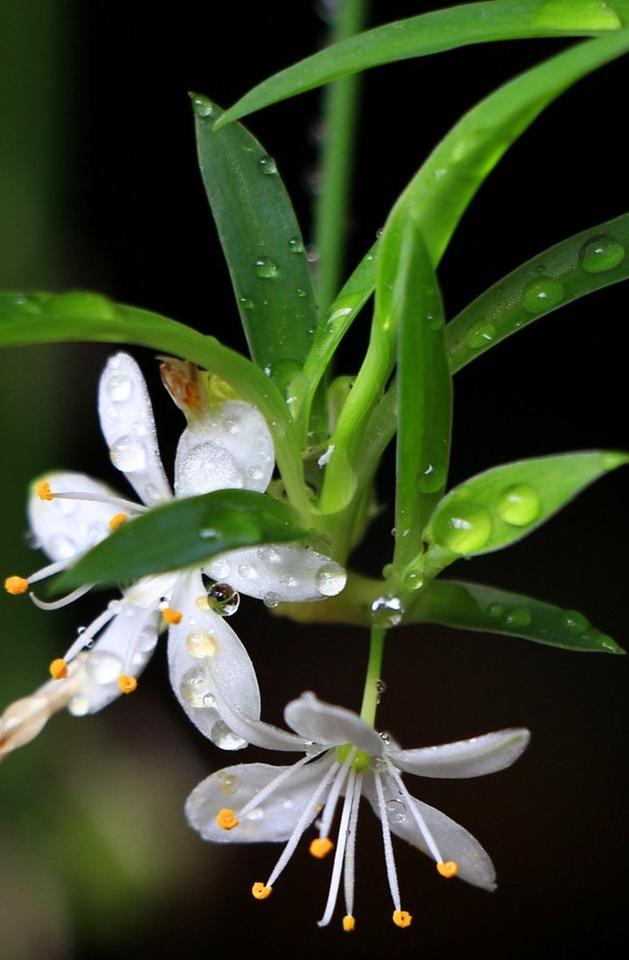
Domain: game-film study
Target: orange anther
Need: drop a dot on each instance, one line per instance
(127, 683)
(117, 520)
(260, 891)
(320, 847)
(15, 585)
(172, 616)
(58, 669)
(402, 918)
(448, 869)
(43, 491)
(348, 923)
(227, 819)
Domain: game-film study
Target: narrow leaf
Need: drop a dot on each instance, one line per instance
(429, 33)
(183, 533)
(489, 610)
(586, 262)
(261, 241)
(501, 506)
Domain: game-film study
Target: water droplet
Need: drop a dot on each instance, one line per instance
(256, 814)
(330, 580)
(396, 811)
(518, 617)
(246, 303)
(380, 686)
(151, 494)
(542, 294)
(267, 165)
(223, 599)
(519, 505)
(413, 580)
(311, 749)
(61, 547)
(209, 701)
(194, 686)
(496, 610)
(286, 803)
(266, 268)
(271, 600)
(574, 621)
(220, 568)
(379, 764)
(295, 245)
(200, 644)
(387, 611)
(27, 304)
(301, 293)
(119, 388)
(480, 336)
(601, 254)
(225, 738)
(385, 736)
(202, 107)
(432, 479)
(128, 454)
(229, 783)
(462, 526)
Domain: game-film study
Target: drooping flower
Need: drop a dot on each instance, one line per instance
(226, 444)
(343, 756)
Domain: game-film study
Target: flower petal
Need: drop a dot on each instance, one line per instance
(257, 732)
(128, 425)
(279, 572)
(454, 841)
(206, 658)
(464, 758)
(125, 646)
(276, 817)
(66, 528)
(231, 447)
(324, 723)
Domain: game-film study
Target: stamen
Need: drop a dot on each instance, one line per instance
(330, 805)
(402, 918)
(271, 787)
(260, 891)
(172, 616)
(227, 819)
(448, 869)
(302, 823)
(127, 683)
(350, 852)
(127, 505)
(320, 847)
(90, 632)
(340, 852)
(388, 848)
(16, 585)
(417, 817)
(58, 604)
(58, 669)
(349, 923)
(117, 520)
(50, 569)
(43, 491)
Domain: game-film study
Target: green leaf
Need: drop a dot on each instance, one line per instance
(80, 315)
(586, 262)
(424, 383)
(489, 610)
(501, 506)
(183, 533)
(434, 32)
(261, 241)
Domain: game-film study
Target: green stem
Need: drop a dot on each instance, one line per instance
(371, 693)
(339, 120)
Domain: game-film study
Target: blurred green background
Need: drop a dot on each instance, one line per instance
(99, 189)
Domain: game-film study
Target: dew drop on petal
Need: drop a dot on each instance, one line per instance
(194, 686)
(201, 644)
(271, 600)
(396, 811)
(219, 568)
(256, 814)
(128, 454)
(225, 738)
(330, 580)
(119, 388)
(229, 783)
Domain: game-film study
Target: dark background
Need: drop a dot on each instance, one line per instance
(101, 190)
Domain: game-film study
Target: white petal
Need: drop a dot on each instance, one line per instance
(257, 732)
(148, 591)
(275, 818)
(66, 528)
(329, 725)
(206, 658)
(128, 425)
(454, 841)
(279, 572)
(231, 447)
(133, 629)
(464, 758)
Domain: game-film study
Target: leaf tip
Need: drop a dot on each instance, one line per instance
(611, 459)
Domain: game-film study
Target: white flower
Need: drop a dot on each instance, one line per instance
(345, 756)
(225, 445)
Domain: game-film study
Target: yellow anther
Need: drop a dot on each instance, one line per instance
(402, 918)
(43, 491)
(448, 869)
(172, 616)
(348, 923)
(127, 683)
(320, 847)
(58, 669)
(261, 892)
(117, 520)
(15, 585)
(227, 819)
